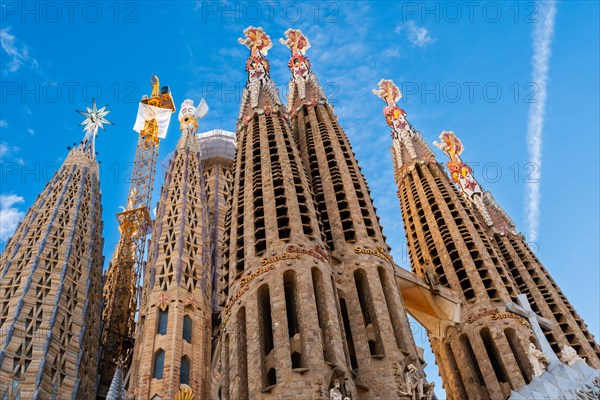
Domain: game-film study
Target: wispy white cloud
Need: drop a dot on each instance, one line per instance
(417, 35)
(10, 216)
(542, 39)
(18, 53)
(391, 52)
(7, 151)
(3, 124)
(31, 131)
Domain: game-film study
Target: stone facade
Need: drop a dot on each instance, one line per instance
(546, 297)
(377, 339)
(460, 239)
(217, 152)
(280, 336)
(173, 336)
(50, 288)
(269, 276)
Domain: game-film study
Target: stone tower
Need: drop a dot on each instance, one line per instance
(51, 283)
(217, 151)
(530, 276)
(172, 346)
(378, 344)
(280, 335)
(455, 235)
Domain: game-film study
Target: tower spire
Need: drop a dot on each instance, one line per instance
(304, 86)
(378, 348)
(172, 352)
(461, 173)
(260, 94)
(51, 283)
(487, 266)
(408, 144)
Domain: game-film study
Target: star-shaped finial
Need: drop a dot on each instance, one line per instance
(94, 118)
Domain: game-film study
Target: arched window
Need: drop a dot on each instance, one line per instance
(184, 371)
(163, 320)
(159, 363)
(187, 329)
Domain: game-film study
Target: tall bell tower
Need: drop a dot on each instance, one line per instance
(459, 238)
(280, 330)
(51, 283)
(172, 347)
(377, 339)
(483, 356)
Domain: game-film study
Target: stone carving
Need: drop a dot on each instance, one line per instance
(335, 392)
(431, 277)
(412, 385)
(590, 391)
(538, 360)
(569, 356)
(338, 383)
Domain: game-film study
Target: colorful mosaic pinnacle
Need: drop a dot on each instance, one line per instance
(395, 117)
(260, 94)
(257, 41)
(298, 44)
(461, 173)
(304, 87)
(259, 44)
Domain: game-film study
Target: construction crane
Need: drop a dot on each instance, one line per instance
(122, 288)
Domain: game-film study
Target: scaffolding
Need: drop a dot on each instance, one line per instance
(122, 288)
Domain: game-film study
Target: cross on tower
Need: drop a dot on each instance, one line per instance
(537, 323)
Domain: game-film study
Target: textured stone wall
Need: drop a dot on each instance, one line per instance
(50, 286)
(280, 335)
(376, 335)
(178, 281)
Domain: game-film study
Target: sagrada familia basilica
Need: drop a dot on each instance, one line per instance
(264, 272)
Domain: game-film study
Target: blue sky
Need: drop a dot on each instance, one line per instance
(460, 68)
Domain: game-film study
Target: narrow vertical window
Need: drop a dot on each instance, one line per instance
(159, 363)
(292, 307)
(473, 366)
(348, 332)
(163, 320)
(518, 353)
(224, 389)
(322, 314)
(265, 335)
(395, 317)
(184, 371)
(368, 312)
(454, 371)
(494, 357)
(187, 329)
(242, 356)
